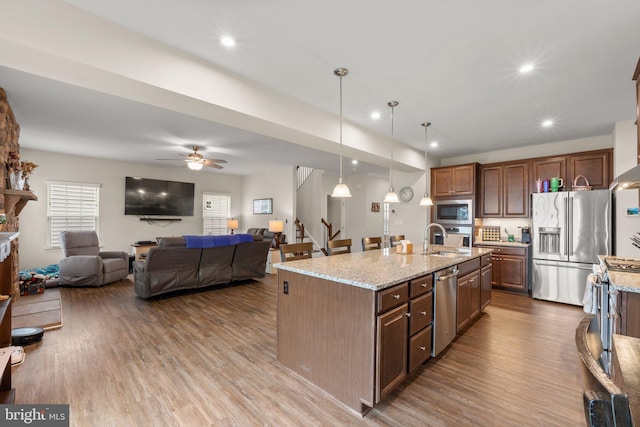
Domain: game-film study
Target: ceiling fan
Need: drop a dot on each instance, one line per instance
(195, 161)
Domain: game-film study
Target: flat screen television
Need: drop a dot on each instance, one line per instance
(144, 196)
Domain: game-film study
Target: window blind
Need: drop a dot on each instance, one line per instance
(71, 206)
(216, 209)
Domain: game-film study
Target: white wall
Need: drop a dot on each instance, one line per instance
(409, 218)
(116, 231)
(309, 203)
(551, 149)
(624, 158)
(279, 185)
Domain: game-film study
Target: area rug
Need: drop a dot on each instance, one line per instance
(42, 311)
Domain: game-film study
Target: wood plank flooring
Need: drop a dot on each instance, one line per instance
(209, 359)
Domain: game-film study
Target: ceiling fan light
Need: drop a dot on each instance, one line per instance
(195, 166)
(341, 190)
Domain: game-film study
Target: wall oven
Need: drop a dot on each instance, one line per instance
(456, 236)
(455, 212)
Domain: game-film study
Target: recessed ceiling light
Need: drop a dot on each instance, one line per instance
(434, 144)
(228, 41)
(375, 115)
(547, 123)
(354, 162)
(527, 67)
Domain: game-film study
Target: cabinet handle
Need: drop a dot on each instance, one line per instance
(424, 285)
(396, 296)
(423, 348)
(408, 314)
(424, 313)
(472, 280)
(497, 250)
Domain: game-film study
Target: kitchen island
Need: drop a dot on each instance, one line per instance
(357, 324)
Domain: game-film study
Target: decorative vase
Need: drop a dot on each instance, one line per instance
(16, 180)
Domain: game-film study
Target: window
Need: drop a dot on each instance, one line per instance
(216, 209)
(71, 206)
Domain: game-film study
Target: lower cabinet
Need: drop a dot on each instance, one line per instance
(628, 319)
(485, 281)
(392, 349)
(509, 268)
(404, 325)
(468, 306)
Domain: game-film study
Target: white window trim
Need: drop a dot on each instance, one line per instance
(214, 222)
(87, 218)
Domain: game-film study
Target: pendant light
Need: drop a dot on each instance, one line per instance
(341, 190)
(391, 196)
(426, 200)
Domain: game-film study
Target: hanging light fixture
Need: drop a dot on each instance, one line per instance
(391, 196)
(341, 190)
(426, 200)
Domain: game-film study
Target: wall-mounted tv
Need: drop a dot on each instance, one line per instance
(144, 196)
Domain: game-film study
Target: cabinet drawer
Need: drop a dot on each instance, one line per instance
(419, 348)
(506, 250)
(421, 285)
(420, 312)
(468, 266)
(393, 297)
(485, 260)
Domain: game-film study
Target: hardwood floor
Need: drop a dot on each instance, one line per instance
(209, 358)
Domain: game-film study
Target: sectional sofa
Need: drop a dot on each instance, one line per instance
(179, 264)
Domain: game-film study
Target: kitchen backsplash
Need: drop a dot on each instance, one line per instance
(511, 224)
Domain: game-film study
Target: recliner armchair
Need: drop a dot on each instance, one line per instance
(85, 265)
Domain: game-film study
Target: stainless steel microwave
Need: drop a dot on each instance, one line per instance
(454, 212)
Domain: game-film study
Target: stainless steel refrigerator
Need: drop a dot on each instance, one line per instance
(570, 230)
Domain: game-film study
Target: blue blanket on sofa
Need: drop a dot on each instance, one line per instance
(215, 241)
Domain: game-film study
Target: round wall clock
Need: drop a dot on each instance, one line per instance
(405, 194)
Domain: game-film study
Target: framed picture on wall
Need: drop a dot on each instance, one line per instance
(375, 207)
(262, 206)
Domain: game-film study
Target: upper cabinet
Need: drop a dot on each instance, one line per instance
(636, 77)
(453, 181)
(596, 166)
(505, 190)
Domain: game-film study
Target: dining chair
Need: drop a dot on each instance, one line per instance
(371, 243)
(395, 240)
(294, 251)
(337, 247)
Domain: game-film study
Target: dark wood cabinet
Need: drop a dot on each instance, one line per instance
(468, 305)
(636, 77)
(509, 268)
(453, 181)
(420, 320)
(505, 190)
(548, 167)
(392, 357)
(464, 301)
(485, 281)
(629, 314)
(596, 166)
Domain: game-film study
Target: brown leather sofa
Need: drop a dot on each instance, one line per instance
(171, 266)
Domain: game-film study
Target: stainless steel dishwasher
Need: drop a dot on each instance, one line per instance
(446, 305)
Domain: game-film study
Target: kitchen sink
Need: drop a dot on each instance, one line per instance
(450, 253)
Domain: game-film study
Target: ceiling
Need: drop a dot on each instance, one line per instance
(454, 64)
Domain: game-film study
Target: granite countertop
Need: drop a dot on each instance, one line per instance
(621, 280)
(501, 243)
(377, 269)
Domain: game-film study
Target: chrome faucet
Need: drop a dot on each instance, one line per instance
(425, 243)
